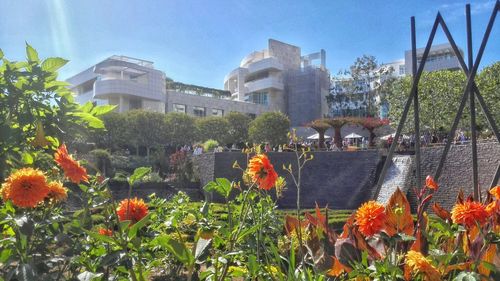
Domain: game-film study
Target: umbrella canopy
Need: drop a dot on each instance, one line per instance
(393, 135)
(353, 136)
(316, 137)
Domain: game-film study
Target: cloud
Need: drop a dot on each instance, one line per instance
(454, 11)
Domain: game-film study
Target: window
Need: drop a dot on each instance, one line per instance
(199, 111)
(135, 104)
(179, 108)
(401, 70)
(217, 112)
(258, 97)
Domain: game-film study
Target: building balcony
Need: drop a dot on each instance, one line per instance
(265, 64)
(112, 87)
(265, 84)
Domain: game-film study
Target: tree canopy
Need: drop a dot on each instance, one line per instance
(238, 127)
(181, 128)
(269, 127)
(215, 128)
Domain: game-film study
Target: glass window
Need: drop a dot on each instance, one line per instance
(258, 97)
(199, 111)
(135, 104)
(179, 108)
(401, 70)
(217, 112)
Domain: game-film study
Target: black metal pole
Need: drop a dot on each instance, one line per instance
(494, 182)
(416, 115)
(404, 115)
(472, 108)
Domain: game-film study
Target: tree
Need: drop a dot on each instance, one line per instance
(180, 129)
(337, 123)
(269, 127)
(370, 124)
(320, 126)
(238, 127)
(215, 128)
(117, 131)
(439, 97)
(488, 81)
(147, 129)
(353, 92)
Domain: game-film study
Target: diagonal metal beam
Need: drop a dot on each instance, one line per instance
(404, 115)
(470, 79)
(494, 182)
(416, 109)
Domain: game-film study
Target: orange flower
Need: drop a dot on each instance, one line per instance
(421, 265)
(492, 208)
(430, 183)
(468, 212)
(370, 218)
(57, 191)
(26, 188)
(132, 209)
(262, 171)
(495, 191)
(72, 169)
(105, 231)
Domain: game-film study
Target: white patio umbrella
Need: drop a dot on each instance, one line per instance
(393, 135)
(316, 137)
(353, 136)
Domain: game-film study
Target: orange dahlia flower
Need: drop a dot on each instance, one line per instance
(370, 218)
(431, 184)
(468, 213)
(421, 265)
(262, 171)
(72, 169)
(132, 209)
(105, 231)
(57, 191)
(26, 188)
(492, 208)
(495, 191)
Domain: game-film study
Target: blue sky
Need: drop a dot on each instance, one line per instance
(199, 42)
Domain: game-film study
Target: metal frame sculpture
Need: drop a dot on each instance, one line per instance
(470, 92)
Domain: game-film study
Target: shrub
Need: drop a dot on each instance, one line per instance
(210, 145)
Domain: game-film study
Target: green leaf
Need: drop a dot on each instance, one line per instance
(467, 276)
(138, 225)
(102, 109)
(90, 119)
(87, 107)
(31, 53)
(220, 185)
(179, 250)
(1, 54)
(201, 247)
(27, 158)
(138, 174)
(100, 237)
(53, 64)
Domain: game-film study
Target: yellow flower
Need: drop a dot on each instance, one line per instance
(421, 265)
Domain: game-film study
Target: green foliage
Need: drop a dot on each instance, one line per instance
(181, 128)
(102, 160)
(31, 97)
(210, 145)
(238, 127)
(488, 81)
(269, 127)
(146, 128)
(117, 133)
(215, 128)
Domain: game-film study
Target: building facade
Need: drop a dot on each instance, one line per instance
(131, 83)
(282, 79)
(440, 57)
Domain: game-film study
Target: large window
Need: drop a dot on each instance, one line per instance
(179, 108)
(258, 97)
(199, 111)
(217, 112)
(401, 70)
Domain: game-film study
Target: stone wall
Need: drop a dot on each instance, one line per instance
(457, 172)
(342, 180)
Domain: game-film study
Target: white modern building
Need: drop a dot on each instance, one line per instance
(440, 57)
(133, 83)
(126, 82)
(282, 79)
